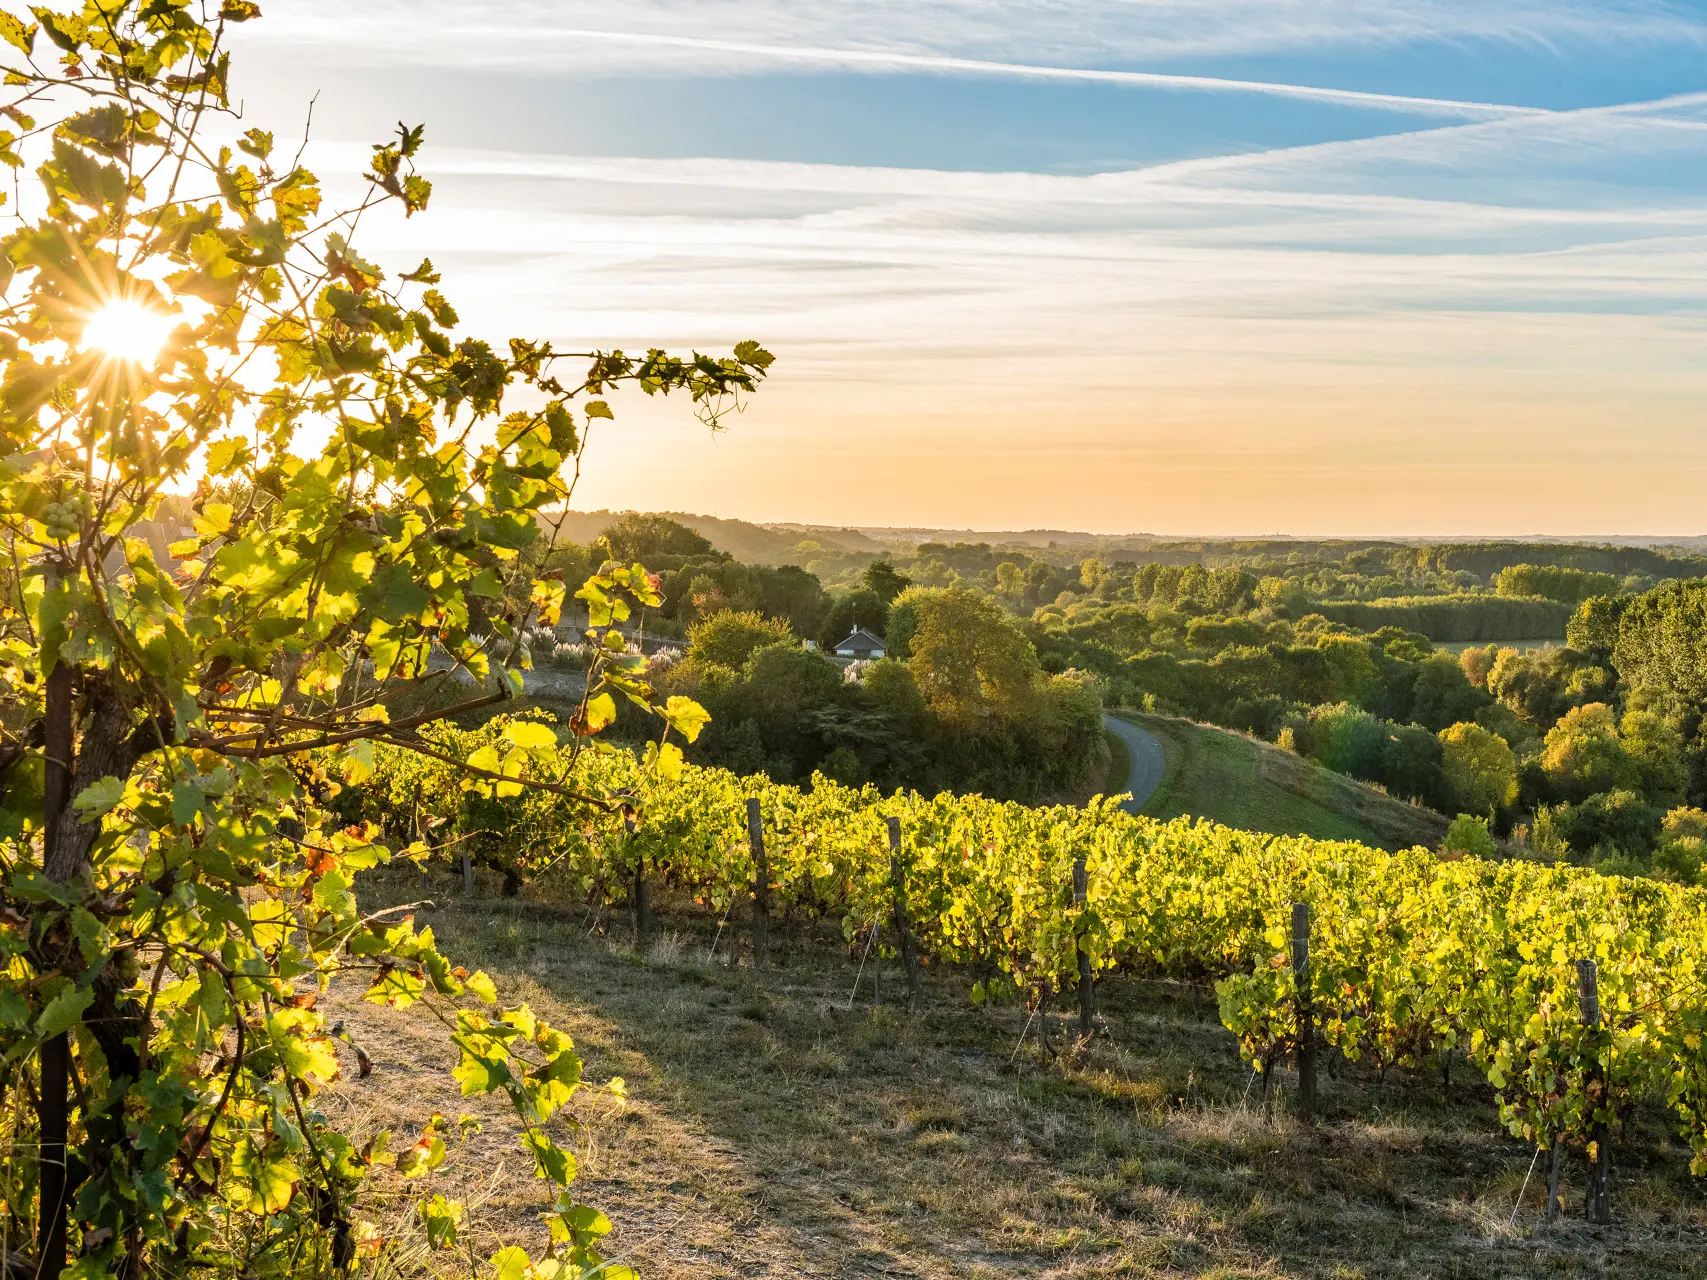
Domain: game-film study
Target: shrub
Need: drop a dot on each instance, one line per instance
(1469, 837)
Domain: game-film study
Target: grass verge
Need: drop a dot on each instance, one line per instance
(1254, 786)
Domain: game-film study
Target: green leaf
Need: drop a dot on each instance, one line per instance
(510, 1263)
(260, 1184)
(186, 803)
(481, 985)
(441, 1218)
(63, 1012)
(14, 1009)
(686, 716)
(530, 735)
(98, 797)
(551, 1161)
(477, 1073)
(81, 177)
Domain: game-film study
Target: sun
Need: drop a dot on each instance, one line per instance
(128, 331)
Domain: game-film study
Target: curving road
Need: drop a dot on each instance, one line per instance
(1148, 762)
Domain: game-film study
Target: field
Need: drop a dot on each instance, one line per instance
(773, 1131)
(1244, 783)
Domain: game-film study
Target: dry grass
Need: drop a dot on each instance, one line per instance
(775, 1132)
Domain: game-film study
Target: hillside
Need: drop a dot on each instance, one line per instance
(1241, 782)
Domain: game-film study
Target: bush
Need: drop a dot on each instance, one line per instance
(1348, 740)
(1613, 821)
(729, 638)
(1410, 765)
(1479, 768)
(1469, 837)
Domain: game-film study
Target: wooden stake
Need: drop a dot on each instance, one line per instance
(1597, 1204)
(54, 1105)
(1087, 988)
(1306, 1014)
(467, 877)
(903, 931)
(761, 884)
(642, 891)
(1553, 1178)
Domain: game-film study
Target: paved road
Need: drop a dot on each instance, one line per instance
(1148, 762)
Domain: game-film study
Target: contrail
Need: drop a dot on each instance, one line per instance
(976, 66)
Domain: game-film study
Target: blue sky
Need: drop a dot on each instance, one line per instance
(1172, 266)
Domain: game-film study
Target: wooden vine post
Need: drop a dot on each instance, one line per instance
(54, 1104)
(1087, 987)
(1597, 1205)
(642, 891)
(761, 883)
(1306, 1013)
(903, 930)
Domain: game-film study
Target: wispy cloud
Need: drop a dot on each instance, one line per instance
(1431, 329)
(1079, 32)
(882, 60)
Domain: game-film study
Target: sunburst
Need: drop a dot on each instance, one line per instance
(128, 331)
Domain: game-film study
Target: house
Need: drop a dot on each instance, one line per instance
(859, 643)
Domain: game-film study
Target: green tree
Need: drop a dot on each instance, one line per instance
(1411, 765)
(1658, 750)
(730, 638)
(1288, 597)
(857, 608)
(890, 686)
(177, 316)
(1480, 769)
(1443, 695)
(1609, 824)
(1662, 643)
(1524, 684)
(1567, 586)
(970, 660)
(884, 581)
(1347, 740)
(652, 538)
(1583, 754)
(1593, 628)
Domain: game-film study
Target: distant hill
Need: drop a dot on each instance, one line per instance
(747, 542)
(775, 543)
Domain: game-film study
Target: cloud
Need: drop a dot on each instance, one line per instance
(713, 34)
(1438, 328)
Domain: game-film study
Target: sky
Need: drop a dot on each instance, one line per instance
(1170, 266)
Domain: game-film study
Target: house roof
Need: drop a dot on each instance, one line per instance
(859, 638)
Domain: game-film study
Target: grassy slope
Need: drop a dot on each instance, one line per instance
(775, 1132)
(1251, 785)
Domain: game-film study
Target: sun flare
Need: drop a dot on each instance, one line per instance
(128, 331)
